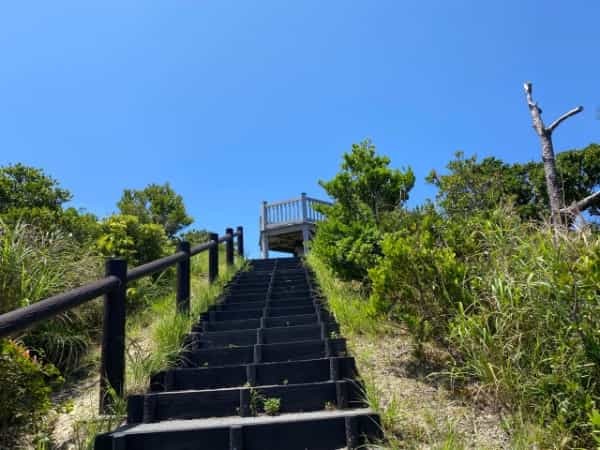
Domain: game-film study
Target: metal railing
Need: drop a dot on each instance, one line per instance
(114, 288)
(293, 211)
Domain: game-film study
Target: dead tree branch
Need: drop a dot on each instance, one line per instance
(545, 134)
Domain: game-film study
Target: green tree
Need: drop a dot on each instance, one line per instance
(27, 187)
(367, 185)
(158, 204)
(473, 186)
(366, 191)
(477, 186)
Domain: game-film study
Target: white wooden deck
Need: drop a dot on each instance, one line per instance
(287, 226)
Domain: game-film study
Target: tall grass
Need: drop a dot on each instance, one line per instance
(516, 303)
(349, 302)
(532, 333)
(35, 264)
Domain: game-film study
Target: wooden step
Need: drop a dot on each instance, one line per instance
(241, 299)
(273, 335)
(279, 321)
(226, 306)
(244, 401)
(286, 351)
(256, 313)
(289, 372)
(320, 430)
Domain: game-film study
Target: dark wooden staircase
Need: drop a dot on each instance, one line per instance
(269, 338)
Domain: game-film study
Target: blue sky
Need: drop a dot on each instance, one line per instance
(234, 102)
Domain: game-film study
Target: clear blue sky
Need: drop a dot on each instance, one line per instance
(236, 102)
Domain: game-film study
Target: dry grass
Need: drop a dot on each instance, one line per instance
(418, 409)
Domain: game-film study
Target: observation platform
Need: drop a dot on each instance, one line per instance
(287, 226)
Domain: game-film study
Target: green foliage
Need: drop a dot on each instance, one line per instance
(156, 204)
(349, 247)
(348, 301)
(518, 304)
(420, 278)
(126, 237)
(532, 332)
(27, 187)
(27, 195)
(272, 406)
(366, 180)
(81, 226)
(34, 265)
(25, 395)
(365, 191)
(195, 237)
(579, 174)
(477, 186)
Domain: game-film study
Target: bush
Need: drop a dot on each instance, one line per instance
(27, 400)
(125, 237)
(516, 302)
(419, 279)
(34, 265)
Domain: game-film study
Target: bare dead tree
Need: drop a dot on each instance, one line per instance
(545, 133)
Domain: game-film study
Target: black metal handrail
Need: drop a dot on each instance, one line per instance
(114, 288)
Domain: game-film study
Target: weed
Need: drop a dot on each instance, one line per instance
(329, 406)
(272, 406)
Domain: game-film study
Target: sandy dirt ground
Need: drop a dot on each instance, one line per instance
(423, 410)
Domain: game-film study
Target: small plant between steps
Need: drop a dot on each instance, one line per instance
(272, 406)
(258, 402)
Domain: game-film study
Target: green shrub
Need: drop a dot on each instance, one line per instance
(125, 237)
(419, 278)
(366, 191)
(518, 304)
(36, 264)
(25, 394)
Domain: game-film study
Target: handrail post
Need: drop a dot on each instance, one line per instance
(229, 247)
(112, 367)
(240, 241)
(213, 258)
(183, 279)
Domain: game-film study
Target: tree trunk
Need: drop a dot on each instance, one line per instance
(552, 184)
(545, 133)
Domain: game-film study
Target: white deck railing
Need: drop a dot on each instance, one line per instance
(289, 212)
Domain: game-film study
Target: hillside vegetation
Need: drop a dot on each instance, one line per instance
(513, 302)
(47, 248)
